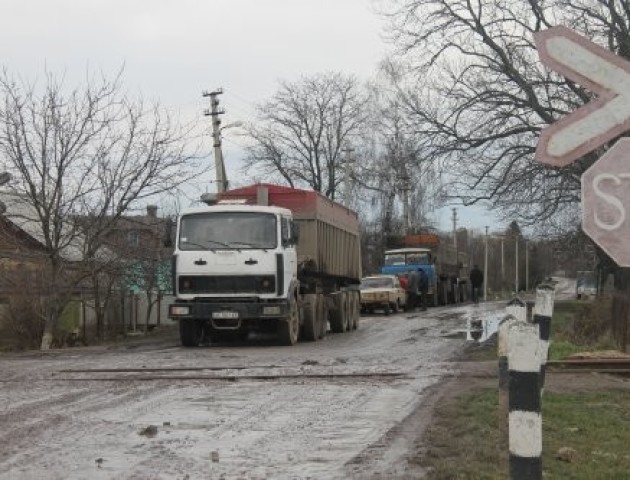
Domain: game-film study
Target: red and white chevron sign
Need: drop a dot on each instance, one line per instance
(600, 120)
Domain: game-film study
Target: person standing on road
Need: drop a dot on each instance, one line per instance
(423, 288)
(413, 280)
(476, 281)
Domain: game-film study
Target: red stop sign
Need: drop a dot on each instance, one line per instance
(606, 202)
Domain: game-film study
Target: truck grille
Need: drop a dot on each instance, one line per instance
(227, 284)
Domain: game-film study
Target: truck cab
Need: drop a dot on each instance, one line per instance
(445, 284)
(234, 270)
(401, 261)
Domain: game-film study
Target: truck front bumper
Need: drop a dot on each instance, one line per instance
(219, 312)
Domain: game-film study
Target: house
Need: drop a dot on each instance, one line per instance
(138, 241)
(20, 253)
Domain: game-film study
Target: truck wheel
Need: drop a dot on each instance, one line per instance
(347, 312)
(444, 289)
(190, 332)
(339, 314)
(310, 326)
(388, 309)
(356, 315)
(288, 329)
(322, 316)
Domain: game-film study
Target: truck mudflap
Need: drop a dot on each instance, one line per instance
(227, 315)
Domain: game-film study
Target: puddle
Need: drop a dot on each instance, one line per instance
(480, 330)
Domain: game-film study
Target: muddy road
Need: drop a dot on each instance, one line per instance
(335, 409)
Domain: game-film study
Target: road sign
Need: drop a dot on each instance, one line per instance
(600, 120)
(606, 202)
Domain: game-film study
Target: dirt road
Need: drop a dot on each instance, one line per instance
(335, 409)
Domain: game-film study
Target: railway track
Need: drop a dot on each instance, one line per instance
(227, 374)
(617, 366)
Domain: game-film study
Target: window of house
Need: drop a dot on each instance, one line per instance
(133, 238)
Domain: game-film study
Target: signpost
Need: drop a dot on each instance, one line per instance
(606, 184)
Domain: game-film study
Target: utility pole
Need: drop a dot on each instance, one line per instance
(405, 187)
(454, 218)
(347, 177)
(516, 265)
(502, 265)
(526, 265)
(485, 268)
(455, 240)
(214, 112)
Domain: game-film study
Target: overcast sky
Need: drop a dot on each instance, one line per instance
(173, 50)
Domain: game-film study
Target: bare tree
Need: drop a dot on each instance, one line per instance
(90, 153)
(394, 170)
(301, 132)
(481, 96)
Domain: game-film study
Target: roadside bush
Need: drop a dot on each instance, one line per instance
(591, 323)
(22, 322)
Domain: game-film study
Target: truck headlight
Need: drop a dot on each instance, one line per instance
(176, 310)
(271, 310)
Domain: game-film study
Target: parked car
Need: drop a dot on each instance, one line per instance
(382, 292)
(585, 285)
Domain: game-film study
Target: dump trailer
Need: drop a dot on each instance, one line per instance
(266, 258)
(445, 266)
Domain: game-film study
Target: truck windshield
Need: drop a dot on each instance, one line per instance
(227, 231)
(414, 258)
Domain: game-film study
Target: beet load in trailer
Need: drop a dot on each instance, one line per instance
(266, 258)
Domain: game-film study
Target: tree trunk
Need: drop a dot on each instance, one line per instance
(49, 328)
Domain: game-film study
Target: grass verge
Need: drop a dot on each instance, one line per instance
(464, 436)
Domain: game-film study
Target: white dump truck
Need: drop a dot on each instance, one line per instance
(266, 258)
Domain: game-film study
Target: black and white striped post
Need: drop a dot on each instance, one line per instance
(543, 311)
(525, 419)
(517, 308)
(516, 311)
(502, 354)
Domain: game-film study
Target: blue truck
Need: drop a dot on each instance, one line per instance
(445, 267)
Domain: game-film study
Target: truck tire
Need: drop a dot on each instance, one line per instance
(322, 315)
(388, 309)
(339, 314)
(289, 328)
(310, 326)
(444, 289)
(190, 332)
(356, 314)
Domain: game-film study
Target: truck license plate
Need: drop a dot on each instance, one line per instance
(224, 314)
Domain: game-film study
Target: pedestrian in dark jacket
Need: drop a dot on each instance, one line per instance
(413, 282)
(476, 282)
(423, 288)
